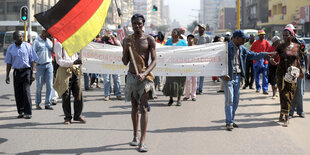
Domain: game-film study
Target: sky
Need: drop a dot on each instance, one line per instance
(181, 10)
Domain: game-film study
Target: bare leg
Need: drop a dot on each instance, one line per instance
(179, 98)
(144, 115)
(134, 115)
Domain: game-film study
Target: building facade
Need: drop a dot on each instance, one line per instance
(210, 11)
(283, 12)
(253, 13)
(10, 13)
(228, 20)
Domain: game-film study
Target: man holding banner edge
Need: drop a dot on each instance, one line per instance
(237, 56)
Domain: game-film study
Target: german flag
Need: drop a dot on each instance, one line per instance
(74, 23)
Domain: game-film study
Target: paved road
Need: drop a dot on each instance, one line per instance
(194, 128)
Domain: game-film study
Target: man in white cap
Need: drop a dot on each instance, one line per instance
(201, 39)
(297, 103)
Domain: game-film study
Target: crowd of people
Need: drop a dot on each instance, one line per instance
(282, 64)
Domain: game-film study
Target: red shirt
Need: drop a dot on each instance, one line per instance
(272, 49)
(260, 46)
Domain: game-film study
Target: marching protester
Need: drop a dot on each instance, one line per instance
(288, 70)
(138, 84)
(273, 68)
(67, 82)
(161, 40)
(201, 39)
(43, 47)
(216, 39)
(182, 36)
(237, 56)
(110, 39)
(21, 57)
(249, 80)
(190, 80)
(297, 103)
(174, 86)
(261, 66)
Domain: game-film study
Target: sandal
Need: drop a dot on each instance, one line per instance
(170, 102)
(142, 148)
(134, 142)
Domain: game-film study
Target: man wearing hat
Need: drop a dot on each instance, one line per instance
(202, 38)
(261, 66)
(297, 102)
(237, 56)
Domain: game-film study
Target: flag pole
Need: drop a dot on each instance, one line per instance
(130, 49)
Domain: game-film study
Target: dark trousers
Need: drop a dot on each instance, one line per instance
(22, 90)
(66, 102)
(249, 80)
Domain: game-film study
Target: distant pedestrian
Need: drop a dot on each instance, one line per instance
(201, 39)
(21, 57)
(249, 80)
(174, 86)
(273, 68)
(237, 56)
(261, 66)
(191, 81)
(67, 82)
(43, 47)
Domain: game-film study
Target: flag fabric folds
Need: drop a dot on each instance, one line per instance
(74, 23)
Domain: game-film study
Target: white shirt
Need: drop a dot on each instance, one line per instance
(62, 58)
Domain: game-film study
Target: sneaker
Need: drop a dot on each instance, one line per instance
(302, 115)
(235, 125)
(67, 122)
(27, 116)
(54, 101)
(135, 141)
(179, 103)
(257, 91)
(193, 99)
(119, 97)
(142, 148)
(106, 98)
(21, 115)
(266, 93)
(170, 102)
(229, 127)
(244, 87)
(80, 119)
(48, 107)
(185, 98)
(38, 107)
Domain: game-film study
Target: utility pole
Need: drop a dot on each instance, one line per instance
(238, 14)
(29, 21)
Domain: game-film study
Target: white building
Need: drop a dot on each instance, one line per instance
(210, 11)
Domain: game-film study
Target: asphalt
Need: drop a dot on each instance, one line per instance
(194, 128)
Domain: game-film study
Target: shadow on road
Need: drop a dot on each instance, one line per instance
(257, 114)
(100, 114)
(2, 140)
(6, 96)
(254, 98)
(254, 105)
(78, 151)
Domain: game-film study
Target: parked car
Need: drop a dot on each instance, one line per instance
(8, 39)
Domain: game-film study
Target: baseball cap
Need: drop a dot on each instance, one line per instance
(290, 26)
(190, 35)
(203, 26)
(240, 33)
(261, 32)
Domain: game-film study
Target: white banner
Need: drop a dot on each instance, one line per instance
(201, 60)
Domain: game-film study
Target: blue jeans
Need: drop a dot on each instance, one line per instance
(232, 93)
(200, 83)
(86, 80)
(44, 73)
(107, 84)
(258, 69)
(297, 102)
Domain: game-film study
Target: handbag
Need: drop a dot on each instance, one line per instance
(292, 74)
